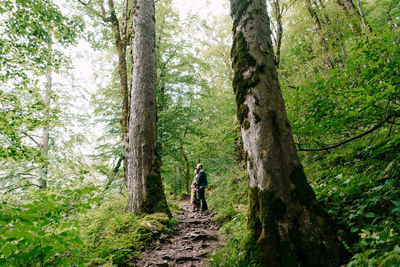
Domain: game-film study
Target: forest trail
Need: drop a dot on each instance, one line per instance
(194, 237)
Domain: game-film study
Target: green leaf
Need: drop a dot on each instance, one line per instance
(7, 251)
(370, 215)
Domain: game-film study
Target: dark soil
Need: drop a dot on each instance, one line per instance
(194, 238)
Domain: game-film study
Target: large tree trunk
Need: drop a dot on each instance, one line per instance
(121, 43)
(145, 187)
(288, 226)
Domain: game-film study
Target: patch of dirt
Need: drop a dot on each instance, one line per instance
(194, 238)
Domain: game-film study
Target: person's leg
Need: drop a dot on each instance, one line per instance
(203, 199)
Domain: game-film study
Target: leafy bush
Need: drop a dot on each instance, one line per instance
(359, 186)
(228, 197)
(351, 99)
(65, 229)
(45, 230)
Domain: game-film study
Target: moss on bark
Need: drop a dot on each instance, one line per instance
(246, 76)
(303, 191)
(237, 10)
(266, 243)
(263, 243)
(155, 198)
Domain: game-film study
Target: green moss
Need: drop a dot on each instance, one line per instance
(242, 63)
(254, 222)
(237, 10)
(110, 234)
(272, 209)
(263, 243)
(303, 191)
(155, 198)
(242, 113)
(246, 124)
(256, 117)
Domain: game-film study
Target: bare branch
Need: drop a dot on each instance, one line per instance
(30, 137)
(83, 3)
(102, 15)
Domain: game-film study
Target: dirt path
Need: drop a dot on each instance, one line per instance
(194, 237)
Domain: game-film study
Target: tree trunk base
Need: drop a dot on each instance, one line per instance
(279, 238)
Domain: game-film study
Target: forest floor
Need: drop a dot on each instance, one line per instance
(194, 237)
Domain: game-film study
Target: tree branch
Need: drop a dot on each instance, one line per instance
(83, 3)
(327, 147)
(102, 15)
(30, 137)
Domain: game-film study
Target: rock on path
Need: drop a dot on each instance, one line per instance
(194, 237)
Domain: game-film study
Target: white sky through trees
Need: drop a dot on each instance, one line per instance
(204, 8)
(90, 68)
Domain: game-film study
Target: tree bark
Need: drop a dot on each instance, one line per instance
(287, 225)
(121, 34)
(121, 43)
(145, 187)
(187, 168)
(364, 25)
(44, 146)
(279, 31)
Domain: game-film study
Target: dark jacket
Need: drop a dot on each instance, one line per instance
(202, 179)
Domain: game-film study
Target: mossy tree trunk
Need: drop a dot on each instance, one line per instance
(145, 187)
(287, 225)
(121, 38)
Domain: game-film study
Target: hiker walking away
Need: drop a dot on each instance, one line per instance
(201, 182)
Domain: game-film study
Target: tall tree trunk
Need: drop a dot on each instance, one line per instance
(121, 42)
(44, 146)
(124, 92)
(145, 187)
(187, 168)
(279, 31)
(288, 226)
(318, 28)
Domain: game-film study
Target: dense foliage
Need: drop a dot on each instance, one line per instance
(341, 86)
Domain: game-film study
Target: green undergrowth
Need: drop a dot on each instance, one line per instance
(114, 236)
(75, 228)
(227, 197)
(43, 228)
(359, 186)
